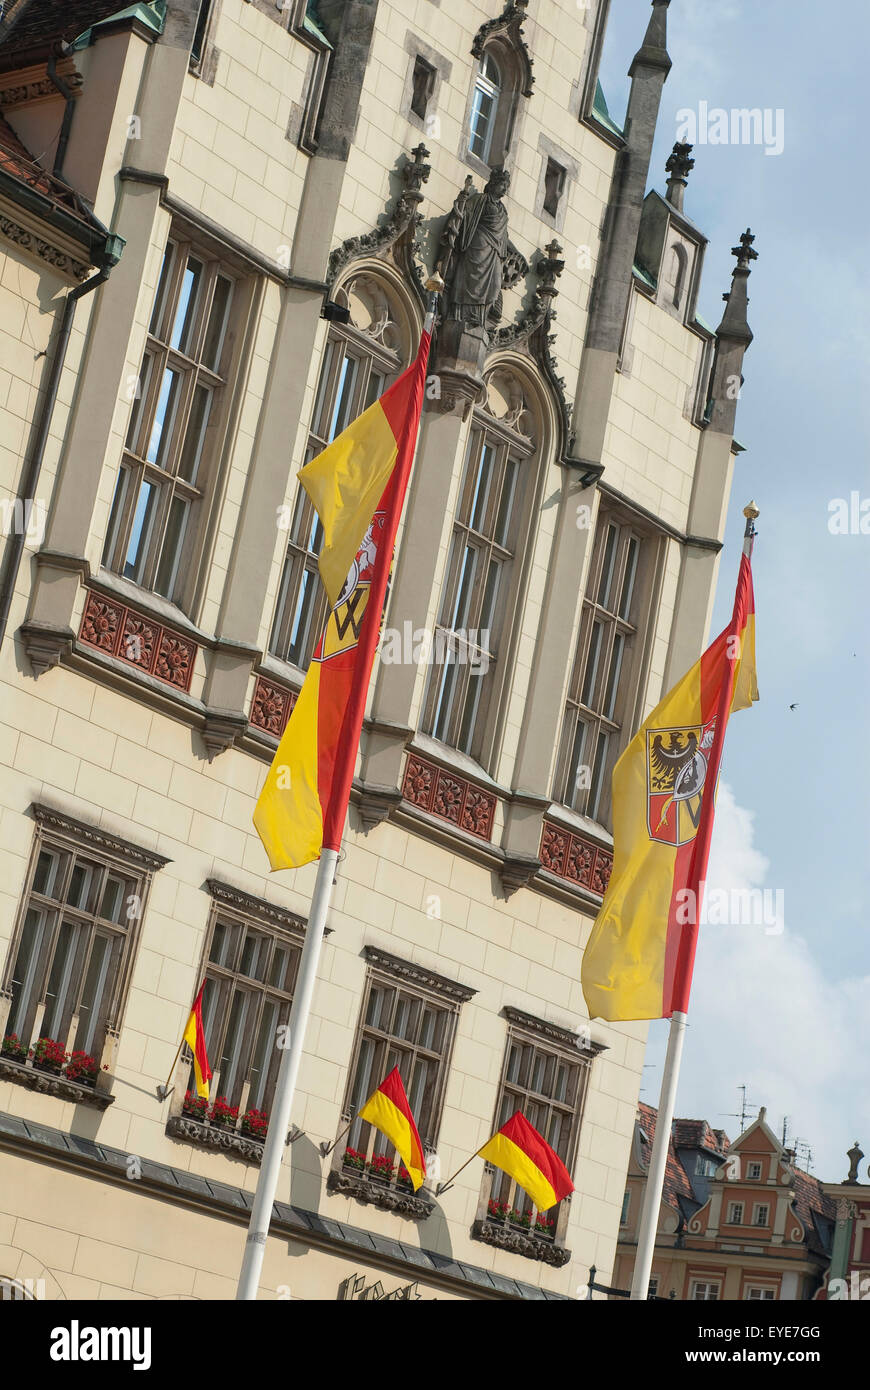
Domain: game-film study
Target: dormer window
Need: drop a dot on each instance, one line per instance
(753, 1171)
(485, 107)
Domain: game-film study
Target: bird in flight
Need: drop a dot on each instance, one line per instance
(795, 705)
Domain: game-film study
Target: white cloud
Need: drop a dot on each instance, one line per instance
(763, 1013)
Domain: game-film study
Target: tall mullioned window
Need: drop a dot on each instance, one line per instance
(250, 974)
(408, 1020)
(360, 362)
(546, 1079)
(73, 949)
(169, 466)
(480, 580)
(603, 685)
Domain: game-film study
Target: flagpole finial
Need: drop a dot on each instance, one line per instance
(751, 512)
(436, 283)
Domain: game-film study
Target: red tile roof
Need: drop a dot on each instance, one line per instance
(677, 1182)
(810, 1200)
(697, 1134)
(16, 159)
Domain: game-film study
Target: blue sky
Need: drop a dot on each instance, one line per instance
(787, 1014)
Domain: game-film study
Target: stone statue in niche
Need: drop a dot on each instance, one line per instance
(478, 260)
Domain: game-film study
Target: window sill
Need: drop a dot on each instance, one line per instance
(207, 1136)
(363, 1189)
(49, 1084)
(518, 1242)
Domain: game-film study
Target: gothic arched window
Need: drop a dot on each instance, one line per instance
(360, 361)
(479, 588)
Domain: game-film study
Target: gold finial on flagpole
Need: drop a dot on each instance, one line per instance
(435, 283)
(751, 512)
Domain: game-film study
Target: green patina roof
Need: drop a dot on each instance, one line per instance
(311, 23)
(644, 275)
(704, 324)
(600, 111)
(152, 15)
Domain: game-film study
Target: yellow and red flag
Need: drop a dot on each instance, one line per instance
(388, 1110)
(358, 487)
(194, 1036)
(521, 1152)
(639, 960)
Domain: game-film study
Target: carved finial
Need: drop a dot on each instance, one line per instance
(744, 252)
(854, 1156)
(762, 1114)
(679, 166)
(548, 269)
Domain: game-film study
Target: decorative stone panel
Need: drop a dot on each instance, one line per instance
(575, 858)
(272, 706)
(216, 1137)
(520, 1243)
(379, 1194)
(53, 1084)
(118, 631)
(450, 797)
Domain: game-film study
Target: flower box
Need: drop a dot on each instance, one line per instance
(195, 1107)
(255, 1123)
(354, 1159)
(381, 1168)
(13, 1048)
(82, 1068)
(223, 1114)
(48, 1055)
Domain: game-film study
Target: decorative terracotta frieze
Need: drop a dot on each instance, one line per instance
(519, 1243)
(118, 631)
(575, 859)
(272, 706)
(379, 1194)
(451, 798)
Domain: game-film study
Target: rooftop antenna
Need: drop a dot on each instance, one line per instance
(745, 1107)
(803, 1150)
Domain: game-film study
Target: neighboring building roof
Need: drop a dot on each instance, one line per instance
(816, 1209)
(697, 1134)
(33, 24)
(17, 162)
(677, 1182)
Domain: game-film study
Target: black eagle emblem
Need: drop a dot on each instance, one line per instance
(668, 762)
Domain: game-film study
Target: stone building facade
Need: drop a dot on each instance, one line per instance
(216, 220)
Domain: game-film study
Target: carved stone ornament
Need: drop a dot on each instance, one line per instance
(49, 1085)
(378, 1194)
(371, 311)
(854, 1156)
(508, 27)
(519, 1243)
(418, 975)
(532, 335)
(396, 239)
(215, 1137)
(43, 250)
(58, 823)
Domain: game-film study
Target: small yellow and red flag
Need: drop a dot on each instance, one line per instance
(640, 956)
(358, 485)
(388, 1110)
(194, 1036)
(521, 1152)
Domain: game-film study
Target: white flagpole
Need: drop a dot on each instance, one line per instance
(273, 1151)
(655, 1182)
